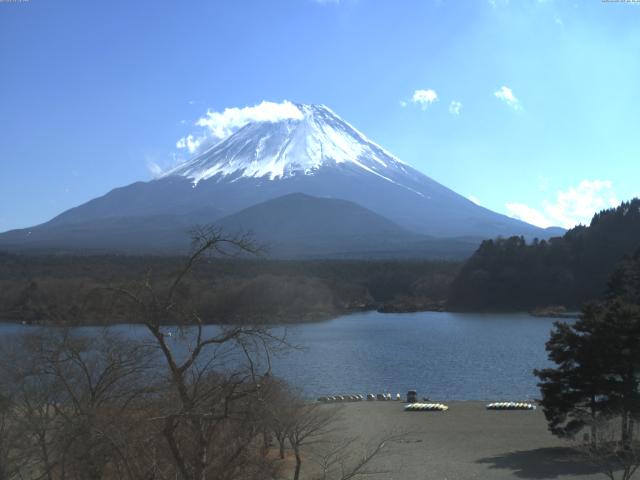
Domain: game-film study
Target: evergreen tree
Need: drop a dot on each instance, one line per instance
(597, 377)
(572, 393)
(511, 274)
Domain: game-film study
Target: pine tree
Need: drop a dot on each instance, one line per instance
(597, 373)
(572, 393)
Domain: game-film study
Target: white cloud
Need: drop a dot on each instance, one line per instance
(424, 97)
(578, 204)
(574, 206)
(158, 166)
(154, 168)
(191, 143)
(506, 95)
(528, 214)
(219, 125)
(474, 199)
(455, 107)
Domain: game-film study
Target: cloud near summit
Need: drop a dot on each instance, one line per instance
(219, 125)
(572, 207)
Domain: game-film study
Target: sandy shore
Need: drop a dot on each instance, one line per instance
(466, 442)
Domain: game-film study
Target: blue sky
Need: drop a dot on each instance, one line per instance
(528, 107)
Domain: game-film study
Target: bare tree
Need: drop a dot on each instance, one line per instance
(200, 422)
(615, 457)
(9, 441)
(101, 407)
(277, 412)
(33, 419)
(337, 460)
(310, 424)
(71, 398)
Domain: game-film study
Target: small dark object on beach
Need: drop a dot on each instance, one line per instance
(412, 396)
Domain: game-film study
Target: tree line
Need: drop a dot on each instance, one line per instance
(75, 289)
(513, 274)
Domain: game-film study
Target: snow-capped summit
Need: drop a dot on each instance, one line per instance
(302, 145)
(297, 175)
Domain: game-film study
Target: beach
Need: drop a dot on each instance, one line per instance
(465, 442)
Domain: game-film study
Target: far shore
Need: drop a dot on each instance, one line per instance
(316, 317)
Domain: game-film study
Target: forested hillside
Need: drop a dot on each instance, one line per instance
(511, 274)
(78, 289)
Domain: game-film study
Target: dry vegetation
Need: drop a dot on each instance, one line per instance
(76, 289)
(195, 406)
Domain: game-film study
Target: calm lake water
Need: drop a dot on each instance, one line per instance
(446, 356)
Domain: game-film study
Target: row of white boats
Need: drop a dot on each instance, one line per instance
(441, 407)
(426, 407)
(382, 397)
(420, 407)
(511, 406)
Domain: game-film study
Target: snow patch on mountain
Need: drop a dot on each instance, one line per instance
(292, 145)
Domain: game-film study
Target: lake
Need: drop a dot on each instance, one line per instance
(445, 356)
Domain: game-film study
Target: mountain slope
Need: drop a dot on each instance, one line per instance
(302, 226)
(292, 226)
(156, 234)
(316, 153)
(303, 216)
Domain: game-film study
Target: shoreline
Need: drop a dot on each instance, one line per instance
(319, 318)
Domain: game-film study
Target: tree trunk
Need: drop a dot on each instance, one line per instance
(45, 454)
(202, 460)
(624, 419)
(594, 434)
(169, 435)
(594, 424)
(296, 474)
(281, 443)
(266, 443)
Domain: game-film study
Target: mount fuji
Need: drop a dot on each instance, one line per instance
(344, 194)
